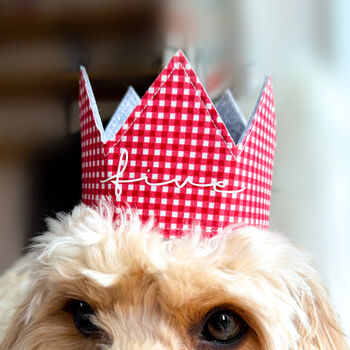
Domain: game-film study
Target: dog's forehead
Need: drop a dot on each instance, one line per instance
(169, 278)
(173, 272)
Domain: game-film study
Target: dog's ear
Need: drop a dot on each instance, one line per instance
(14, 331)
(19, 334)
(19, 328)
(324, 331)
(37, 326)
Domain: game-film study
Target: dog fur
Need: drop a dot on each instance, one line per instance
(152, 293)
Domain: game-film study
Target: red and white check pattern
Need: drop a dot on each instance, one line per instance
(176, 132)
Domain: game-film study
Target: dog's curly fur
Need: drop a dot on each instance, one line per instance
(152, 293)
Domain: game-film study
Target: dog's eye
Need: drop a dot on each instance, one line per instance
(82, 313)
(224, 327)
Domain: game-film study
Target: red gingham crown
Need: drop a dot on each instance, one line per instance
(174, 160)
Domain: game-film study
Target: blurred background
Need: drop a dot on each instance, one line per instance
(304, 44)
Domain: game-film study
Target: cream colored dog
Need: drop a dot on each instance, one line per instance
(88, 284)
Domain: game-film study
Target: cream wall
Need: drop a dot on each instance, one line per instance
(304, 44)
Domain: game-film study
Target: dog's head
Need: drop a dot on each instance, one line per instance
(98, 286)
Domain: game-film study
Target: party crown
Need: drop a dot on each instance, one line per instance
(176, 158)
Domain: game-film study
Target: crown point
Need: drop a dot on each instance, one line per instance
(82, 69)
(179, 52)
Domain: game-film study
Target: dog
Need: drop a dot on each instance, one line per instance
(90, 283)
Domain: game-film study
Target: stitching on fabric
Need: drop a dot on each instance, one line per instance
(247, 134)
(206, 108)
(143, 109)
(204, 105)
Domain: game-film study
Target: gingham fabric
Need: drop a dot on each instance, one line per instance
(175, 133)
